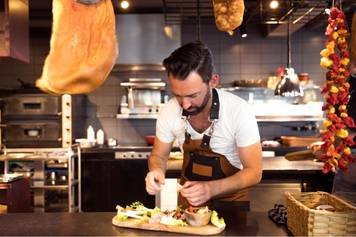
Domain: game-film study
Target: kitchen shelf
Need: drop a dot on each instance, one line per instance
(290, 118)
(56, 184)
(44, 161)
(136, 116)
(267, 118)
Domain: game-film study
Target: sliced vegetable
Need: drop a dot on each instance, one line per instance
(215, 220)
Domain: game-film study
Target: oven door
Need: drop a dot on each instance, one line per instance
(31, 104)
(27, 133)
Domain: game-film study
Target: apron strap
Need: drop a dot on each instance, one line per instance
(215, 107)
(213, 118)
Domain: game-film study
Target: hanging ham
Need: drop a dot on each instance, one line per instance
(83, 47)
(228, 14)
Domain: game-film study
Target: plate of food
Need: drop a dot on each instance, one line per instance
(193, 220)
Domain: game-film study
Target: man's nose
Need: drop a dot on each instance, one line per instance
(186, 103)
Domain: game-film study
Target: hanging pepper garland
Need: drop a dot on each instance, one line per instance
(336, 152)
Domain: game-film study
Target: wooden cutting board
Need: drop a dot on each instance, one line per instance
(144, 225)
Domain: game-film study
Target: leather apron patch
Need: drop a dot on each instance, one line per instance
(202, 170)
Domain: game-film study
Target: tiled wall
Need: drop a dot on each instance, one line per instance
(235, 58)
(256, 57)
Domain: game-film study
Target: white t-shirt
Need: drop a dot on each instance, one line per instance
(236, 127)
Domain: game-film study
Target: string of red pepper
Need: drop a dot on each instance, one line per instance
(336, 152)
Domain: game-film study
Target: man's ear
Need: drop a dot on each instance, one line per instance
(215, 80)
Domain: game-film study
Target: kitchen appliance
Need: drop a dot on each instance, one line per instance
(144, 96)
(41, 120)
(133, 152)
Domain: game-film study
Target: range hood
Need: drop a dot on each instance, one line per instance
(14, 29)
(144, 40)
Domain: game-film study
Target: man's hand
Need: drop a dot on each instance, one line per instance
(154, 179)
(197, 193)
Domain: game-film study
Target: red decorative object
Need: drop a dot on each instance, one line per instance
(336, 152)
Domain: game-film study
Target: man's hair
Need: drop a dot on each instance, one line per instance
(194, 56)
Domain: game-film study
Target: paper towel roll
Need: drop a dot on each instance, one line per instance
(167, 198)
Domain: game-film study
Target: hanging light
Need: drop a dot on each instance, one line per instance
(289, 84)
(243, 31)
(124, 4)
(274, 4)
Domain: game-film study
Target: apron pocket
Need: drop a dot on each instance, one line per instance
(203, 167)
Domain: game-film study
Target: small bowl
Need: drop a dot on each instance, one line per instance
(197, 218)
(150, 139)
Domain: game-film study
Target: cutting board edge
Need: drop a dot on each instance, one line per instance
(203, 230)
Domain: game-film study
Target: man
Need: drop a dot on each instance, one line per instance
(218, 133)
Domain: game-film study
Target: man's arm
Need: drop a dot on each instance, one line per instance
(157, 165)
(198, 193)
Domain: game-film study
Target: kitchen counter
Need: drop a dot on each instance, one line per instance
(99, 224)
(278, 163)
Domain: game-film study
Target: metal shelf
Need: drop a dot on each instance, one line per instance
(267, 118)
(57, 184)
(288, 118)
(39, 184)
(136, 116)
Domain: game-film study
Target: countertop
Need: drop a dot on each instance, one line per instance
(269, 164)
(99, 224)
(276, 163)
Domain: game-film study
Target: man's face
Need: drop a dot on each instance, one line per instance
(192, 93)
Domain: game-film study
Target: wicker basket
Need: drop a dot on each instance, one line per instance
(304, 220)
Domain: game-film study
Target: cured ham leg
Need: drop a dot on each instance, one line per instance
(83, 47)
(228, 14)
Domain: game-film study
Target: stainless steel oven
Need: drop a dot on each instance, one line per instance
(32, 104)
(144, 96)
(33, 133)
(42, 120)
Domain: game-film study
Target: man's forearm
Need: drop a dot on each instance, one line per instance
(157, 162)
(242, 179)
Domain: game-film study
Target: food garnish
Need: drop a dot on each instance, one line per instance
(192, 216)
(215, 220)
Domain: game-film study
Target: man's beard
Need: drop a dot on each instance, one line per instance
(194, 110)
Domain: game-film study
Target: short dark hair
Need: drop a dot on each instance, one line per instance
(194, 56)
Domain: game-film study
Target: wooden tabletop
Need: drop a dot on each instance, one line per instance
(99, 224)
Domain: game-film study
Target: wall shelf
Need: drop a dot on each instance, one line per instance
(136, 116)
